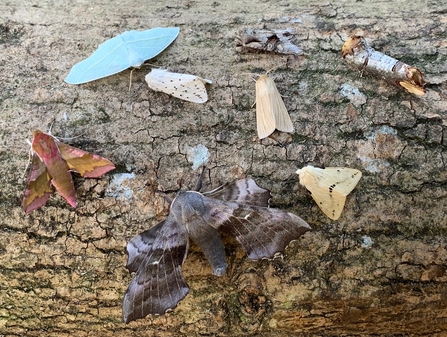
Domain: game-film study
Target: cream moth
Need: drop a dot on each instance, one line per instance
(358, 53)
(329, 186)
(184, 86)
(271, 113)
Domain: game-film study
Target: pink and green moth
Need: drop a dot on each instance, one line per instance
(52, 163)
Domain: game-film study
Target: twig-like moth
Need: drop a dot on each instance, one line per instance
(156, 255)
(329, 186)
(51, 164)
(271, 113)
(358, 53)
(280, 41)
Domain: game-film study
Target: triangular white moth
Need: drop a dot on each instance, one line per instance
(184, 86)
(329, 186)
(271, 113)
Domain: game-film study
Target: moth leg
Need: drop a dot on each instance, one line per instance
(164, 195)
(199, 182)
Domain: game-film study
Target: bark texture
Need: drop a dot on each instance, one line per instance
(381, 269)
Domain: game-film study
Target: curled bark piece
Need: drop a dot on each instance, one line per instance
(358, 53)
(280, 41)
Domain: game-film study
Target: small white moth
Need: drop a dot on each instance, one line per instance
(184, 86)
(329, 186)
(271, 113)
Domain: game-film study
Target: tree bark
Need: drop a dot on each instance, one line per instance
(378, 270)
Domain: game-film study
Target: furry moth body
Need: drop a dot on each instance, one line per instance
(271, 113)
(156, 255)
(358, 53)
(329, 186)
(184, 86)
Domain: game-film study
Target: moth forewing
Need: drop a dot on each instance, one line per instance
(358, 53)
(188, 87)
(38, 189)
(46, 147)
(265, 120)
(271, 112)
(156, 256)
(244, 191)
(329, 187)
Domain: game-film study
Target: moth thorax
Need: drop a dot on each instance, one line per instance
(307, 178)
(187, 204)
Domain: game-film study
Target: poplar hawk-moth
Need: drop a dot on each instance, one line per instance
(239, 209)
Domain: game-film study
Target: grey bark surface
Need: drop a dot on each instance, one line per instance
(379, 270)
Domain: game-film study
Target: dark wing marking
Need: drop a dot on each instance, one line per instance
(261, 231)
(157, 256)
(243, 191)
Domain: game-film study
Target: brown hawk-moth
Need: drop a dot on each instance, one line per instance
(156, 255)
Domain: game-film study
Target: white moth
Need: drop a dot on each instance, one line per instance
(184, 86)
(271, 113)
(329, 186)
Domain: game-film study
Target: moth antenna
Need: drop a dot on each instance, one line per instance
(30, 154)
(59, 138)
(165, 196)
(51, 126)
(276, 68)
(130, 78)
(272, 69)
(199, 182)
(150, 65)
(69, 138)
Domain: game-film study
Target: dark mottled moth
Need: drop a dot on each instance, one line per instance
(358, 53)
(156, 255)
(280, 41)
